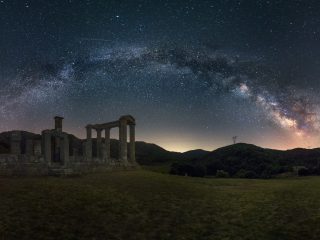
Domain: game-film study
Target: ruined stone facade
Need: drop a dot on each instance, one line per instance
(53, 154)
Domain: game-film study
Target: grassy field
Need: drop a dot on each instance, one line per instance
(148, 205)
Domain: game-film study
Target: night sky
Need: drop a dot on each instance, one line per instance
(193, 73)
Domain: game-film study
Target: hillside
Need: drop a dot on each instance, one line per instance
(247, 160)
(242, 153)
(193, 154)
(149, 154)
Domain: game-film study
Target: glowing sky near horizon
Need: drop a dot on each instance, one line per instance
(193, 73)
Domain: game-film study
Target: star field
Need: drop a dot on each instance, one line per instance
(193, 73)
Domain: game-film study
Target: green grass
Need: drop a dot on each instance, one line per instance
(148, 205)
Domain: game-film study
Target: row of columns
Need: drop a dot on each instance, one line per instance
(15, 142)
(55, 143)
(61, 146)
(123, 148)
(32, 146)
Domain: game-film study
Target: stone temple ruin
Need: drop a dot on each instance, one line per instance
(54, 152)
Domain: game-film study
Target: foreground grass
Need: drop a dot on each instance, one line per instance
(147, 205)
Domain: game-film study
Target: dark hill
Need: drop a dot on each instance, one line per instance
(250, 160)
(242, 151)
(193, 154)
(241, 156)
(150, 154)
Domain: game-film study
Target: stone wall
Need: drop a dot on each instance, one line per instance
(29, 165)
(20, 165)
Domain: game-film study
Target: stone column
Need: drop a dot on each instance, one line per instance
(107, 143)
(123, 141)
(37, 148)
(58, 123)
(29, 147)
(66, 150)
(15, 142)
(46, 144)
(84, 149)
(58, 151)
(132, 144)
(99, 144)
(89, 143)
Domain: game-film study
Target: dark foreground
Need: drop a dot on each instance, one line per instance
(147, 205)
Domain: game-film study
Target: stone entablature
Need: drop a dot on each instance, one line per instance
(52, 152)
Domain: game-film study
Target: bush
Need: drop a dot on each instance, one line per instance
(303, 171)
(245, 174)
(179, 169)
(193, 170)
(198, 171)
(250, 174)
(222, 174)
(316, 171)
(240, 174)
(266, 174)
(213, 167)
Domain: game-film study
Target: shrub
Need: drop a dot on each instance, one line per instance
(250, 174)
(316, 171)
(266, 174)
(180, 169)
(213, 167)
(198, 171)
(222, 174)
(193, 170)
(303, 171)
(242, 173)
